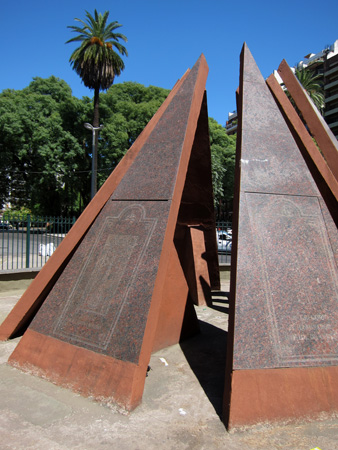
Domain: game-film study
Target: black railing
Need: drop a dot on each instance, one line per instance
(28, 241)
(224, 241)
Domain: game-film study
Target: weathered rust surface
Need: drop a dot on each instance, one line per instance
(113, 303)
(276, 395)
(203, 291)
(301, 135)
(316, 123)
(196, 209)
(82, 370)
(25, 310)
(284, 287)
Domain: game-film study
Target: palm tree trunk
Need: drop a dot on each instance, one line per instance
(96, 123)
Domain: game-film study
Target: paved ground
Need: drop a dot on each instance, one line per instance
(180, 408)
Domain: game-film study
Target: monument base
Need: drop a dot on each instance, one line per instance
(280, 395)
(90, 374)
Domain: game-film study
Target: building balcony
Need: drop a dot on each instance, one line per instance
(330, 112)
(332, 98)
(331, 71)
(331, 85)
(231, 129)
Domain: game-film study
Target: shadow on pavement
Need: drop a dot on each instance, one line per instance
(206, 355)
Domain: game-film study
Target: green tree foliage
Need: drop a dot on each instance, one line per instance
(126, 109)
(313, 85)
(223, 155)
(96, 61)
(45, 151)
(38, 152)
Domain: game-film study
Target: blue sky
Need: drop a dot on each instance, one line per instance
(165, 38)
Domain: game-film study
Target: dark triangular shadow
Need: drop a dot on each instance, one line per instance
(206, 355)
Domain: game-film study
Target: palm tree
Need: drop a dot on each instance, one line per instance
(313, 86)
(96, 61)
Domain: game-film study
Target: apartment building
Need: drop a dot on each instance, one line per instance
(324, 63)
(231, 124)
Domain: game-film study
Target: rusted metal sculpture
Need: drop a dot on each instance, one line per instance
(124, 273)
(283, 335)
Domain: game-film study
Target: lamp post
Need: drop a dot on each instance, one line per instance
(94, 156)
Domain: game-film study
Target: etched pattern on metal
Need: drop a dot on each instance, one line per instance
(302, 306)
(97, 295)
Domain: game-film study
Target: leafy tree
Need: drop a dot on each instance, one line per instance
(38, 153)
(126, 109)
(96, 61)
(223, 155)
(45, 151)
(53, 87)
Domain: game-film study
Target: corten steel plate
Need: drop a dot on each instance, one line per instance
(284, 287)
(103, 296)
(97, 327)
(304, 139)
(23, 312)
(315, 122)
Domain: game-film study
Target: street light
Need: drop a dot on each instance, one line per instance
(94, 156)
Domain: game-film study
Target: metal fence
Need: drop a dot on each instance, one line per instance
(28, 241)
(224, 241)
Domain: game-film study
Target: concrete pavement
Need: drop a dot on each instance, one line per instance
(180, 409)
